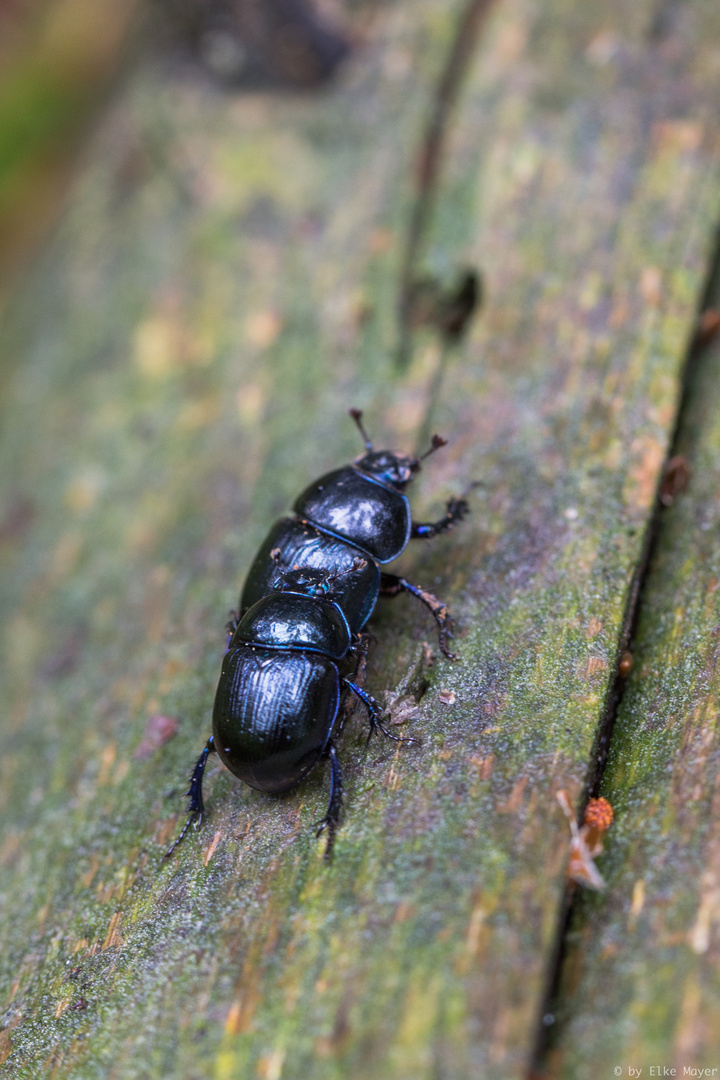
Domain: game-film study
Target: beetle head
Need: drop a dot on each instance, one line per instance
(308, 580)
(396, 470)
(305, 580)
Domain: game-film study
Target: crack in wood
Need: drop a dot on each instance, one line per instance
(430, 159)
(549, 1030)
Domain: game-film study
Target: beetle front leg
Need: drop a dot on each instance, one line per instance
(332, 816)
(375, 714)
(197, 806)
(391, 585)
(456, 511)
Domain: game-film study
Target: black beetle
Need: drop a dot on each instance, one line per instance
(299, 637)
(358, 510)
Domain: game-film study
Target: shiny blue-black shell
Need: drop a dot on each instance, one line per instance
(300, 544)
(274, 713)
(279, 692)
(369, 514)
(287, 620)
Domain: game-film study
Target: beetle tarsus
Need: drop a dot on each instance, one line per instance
(375, 715)
(332, 816)
(196, 808)
(456, 511)
(392, 585)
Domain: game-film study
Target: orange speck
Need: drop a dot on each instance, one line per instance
(599, 814)
(625, 665)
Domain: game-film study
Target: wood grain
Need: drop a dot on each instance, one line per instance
(640, 986)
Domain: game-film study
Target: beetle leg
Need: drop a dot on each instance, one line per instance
(332, 816)
(231, 626)
(456, 511)
(375, 714)
(359, 652)
(361, 648)
(197, 807)
(391, 585)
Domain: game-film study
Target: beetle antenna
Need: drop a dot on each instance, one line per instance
(435, 444)
(357, 564)
(357, 417)
(275, 555)
(284, 571)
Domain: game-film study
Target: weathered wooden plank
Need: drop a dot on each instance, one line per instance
(223, 286)
(640, 987)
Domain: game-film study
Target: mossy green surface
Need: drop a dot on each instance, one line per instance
(640, 985)
(178, 367)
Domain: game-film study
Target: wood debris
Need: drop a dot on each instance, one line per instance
(586, 841)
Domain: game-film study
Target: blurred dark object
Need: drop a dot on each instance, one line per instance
(707, 328)
(447, 310)
(676, 478)
(260, 43)
(430, 158)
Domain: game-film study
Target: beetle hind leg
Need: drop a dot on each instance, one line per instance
(332, 815)
(375, 715)
(391, 585)
(194, 792)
